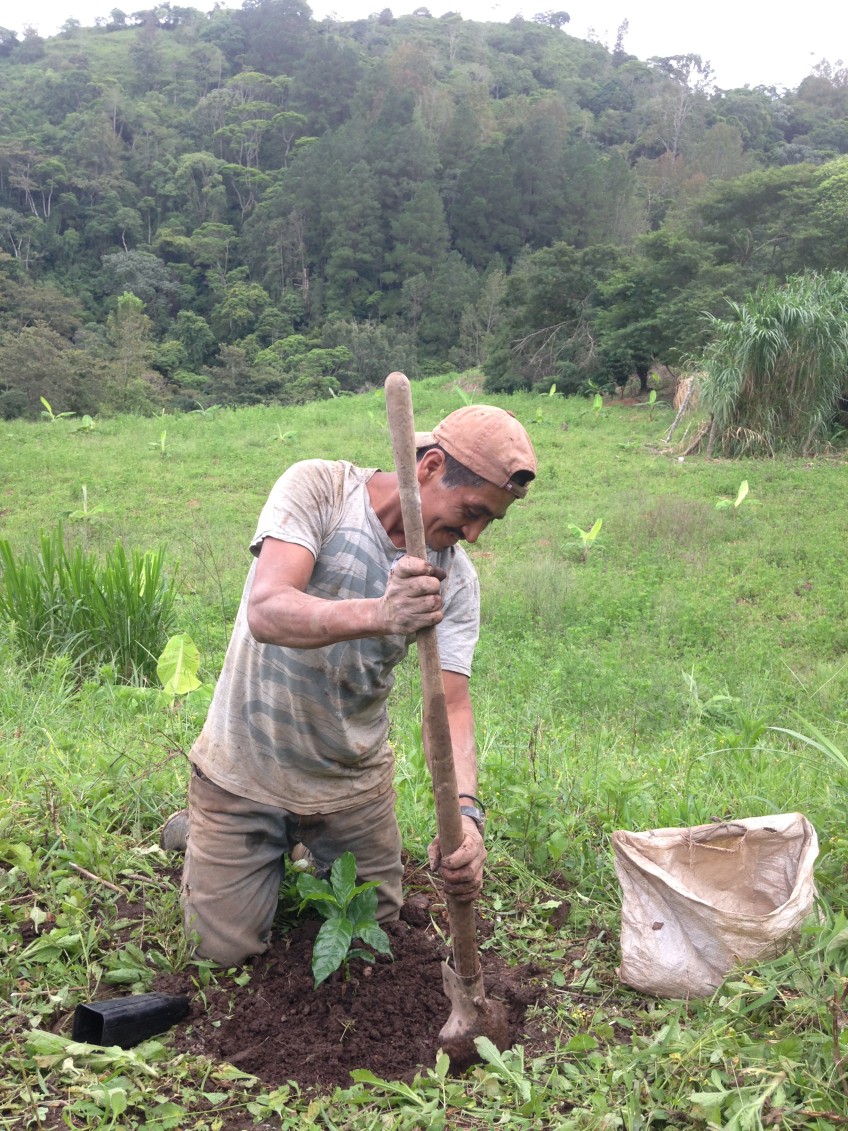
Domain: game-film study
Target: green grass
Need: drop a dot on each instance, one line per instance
(636, 688)
(118, 612)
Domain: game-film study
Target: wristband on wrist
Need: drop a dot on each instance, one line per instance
(474, 814)
(479, 804)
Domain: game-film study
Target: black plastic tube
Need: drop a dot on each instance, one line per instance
(125, 1021)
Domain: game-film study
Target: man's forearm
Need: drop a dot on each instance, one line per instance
(464, 752)
(280, 611)
(298, 620)
(461, 723)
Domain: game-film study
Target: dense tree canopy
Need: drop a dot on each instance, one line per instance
(254, 205)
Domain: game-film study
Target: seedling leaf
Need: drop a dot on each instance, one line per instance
(343, 878)
(312, 890)
(363, 906)
(373, 936)
(331, 947)
(365, 955)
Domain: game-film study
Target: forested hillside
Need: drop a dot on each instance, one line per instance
(254, 206)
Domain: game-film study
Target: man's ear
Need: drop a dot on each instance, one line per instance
(431, 465)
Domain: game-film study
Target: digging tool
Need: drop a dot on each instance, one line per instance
(472, 1014)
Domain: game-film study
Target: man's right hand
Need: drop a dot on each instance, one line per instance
(413, 598)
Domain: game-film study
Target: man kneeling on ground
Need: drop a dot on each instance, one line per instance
(294, 750)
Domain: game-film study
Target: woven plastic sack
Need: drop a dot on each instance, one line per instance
(696, 902)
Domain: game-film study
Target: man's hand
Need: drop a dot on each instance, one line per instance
(462, 871)
(413, 598)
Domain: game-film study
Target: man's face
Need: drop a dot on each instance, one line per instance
(454, 514)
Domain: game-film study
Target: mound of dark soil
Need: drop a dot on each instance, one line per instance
(385, 1017)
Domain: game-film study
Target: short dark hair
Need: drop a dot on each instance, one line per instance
(456, 474)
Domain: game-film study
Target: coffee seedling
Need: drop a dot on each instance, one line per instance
(349, 910)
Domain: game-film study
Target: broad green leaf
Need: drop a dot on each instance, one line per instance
(310, 887)
(178, 664)
(46, 1044)
(363, 907)
(331, 947)
(312, 890)
(343, 878)
(127, 975)
(200, 699)
(490, 1053)
(112, 1099)
(373, 936)
(166, 1115)
(230, 1072)
(358, 952)
(368, 885)
(581, 1042)
(743, 491)
(596, 529)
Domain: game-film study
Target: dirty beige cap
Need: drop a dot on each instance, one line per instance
(488, 441)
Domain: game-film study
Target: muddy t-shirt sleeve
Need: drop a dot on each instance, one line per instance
(302, 505)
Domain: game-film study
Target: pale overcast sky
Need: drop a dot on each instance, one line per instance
(748, 42)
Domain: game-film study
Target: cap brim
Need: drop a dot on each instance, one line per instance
(424, 440)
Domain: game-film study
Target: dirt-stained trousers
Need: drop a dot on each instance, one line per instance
(234, 863)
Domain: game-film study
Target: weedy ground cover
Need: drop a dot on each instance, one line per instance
(658, 682)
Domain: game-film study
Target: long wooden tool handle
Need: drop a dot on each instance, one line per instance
(436, 727)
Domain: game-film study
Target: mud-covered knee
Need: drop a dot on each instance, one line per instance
(226, 955)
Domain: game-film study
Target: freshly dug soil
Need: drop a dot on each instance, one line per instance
(385, 1017)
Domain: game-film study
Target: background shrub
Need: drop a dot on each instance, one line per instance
(66, 602)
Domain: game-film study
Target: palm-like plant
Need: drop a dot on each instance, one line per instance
(777, 368)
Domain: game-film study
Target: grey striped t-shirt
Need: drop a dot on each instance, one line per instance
(306, 729)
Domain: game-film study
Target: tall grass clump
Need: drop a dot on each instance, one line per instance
(59, 601)
(776, 369)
